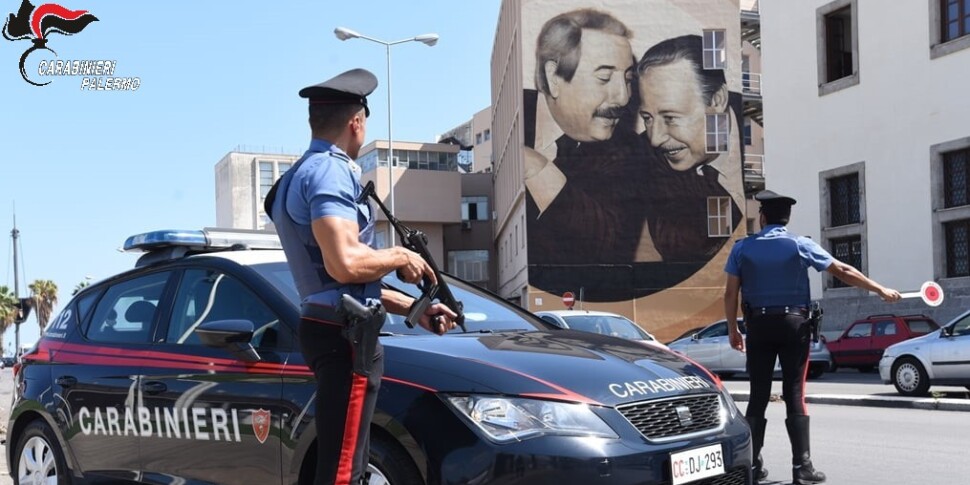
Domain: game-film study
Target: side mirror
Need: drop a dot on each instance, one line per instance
(232, 335)
(695, 336)
(946, 332)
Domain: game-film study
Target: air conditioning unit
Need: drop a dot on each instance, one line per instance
(466, 225)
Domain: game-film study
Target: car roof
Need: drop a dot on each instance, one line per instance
(246, 257)
(568, 313)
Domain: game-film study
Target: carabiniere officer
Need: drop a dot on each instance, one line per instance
(770, 269)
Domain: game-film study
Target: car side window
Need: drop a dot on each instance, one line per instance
(208, 295)
(860, 330)
(551, 320)
(718, 330)
(127, 310)
(885, 328)
(920, 327)
(962, 327)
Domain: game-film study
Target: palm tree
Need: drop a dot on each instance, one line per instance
(80, 286)
(44, 293)
(8, 310)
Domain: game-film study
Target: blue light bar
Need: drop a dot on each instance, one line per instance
(165, 238)
(207, 239)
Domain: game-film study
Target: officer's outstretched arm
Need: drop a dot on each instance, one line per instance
(848, 274)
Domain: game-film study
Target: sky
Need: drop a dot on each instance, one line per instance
(85, 169)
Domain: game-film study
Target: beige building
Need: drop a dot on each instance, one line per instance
(243, 178)
(474, 136)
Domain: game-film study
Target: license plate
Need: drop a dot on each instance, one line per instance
(690, 465)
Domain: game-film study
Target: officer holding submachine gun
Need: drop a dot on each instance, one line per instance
(326, 227)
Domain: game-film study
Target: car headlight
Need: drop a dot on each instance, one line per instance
(507, 419)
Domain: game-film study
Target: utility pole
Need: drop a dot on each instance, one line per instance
(16, 287)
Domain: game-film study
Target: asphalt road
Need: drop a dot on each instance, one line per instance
(848, 382)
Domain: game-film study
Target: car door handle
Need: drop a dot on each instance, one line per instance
(154, 387)
(66, 381)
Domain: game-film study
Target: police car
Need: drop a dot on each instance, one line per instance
(186, 369)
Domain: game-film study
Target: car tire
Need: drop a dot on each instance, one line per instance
(816, 372)
(909, 377)
(35, 447)
(390, 464)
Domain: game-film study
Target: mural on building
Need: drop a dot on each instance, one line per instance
(632, 164)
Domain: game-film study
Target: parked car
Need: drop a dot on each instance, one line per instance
(603, 323)
(711, 348)
(939, 358)
(8, 361)
(187, 369)
(862, 343)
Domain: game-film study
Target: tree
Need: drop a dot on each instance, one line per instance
(80, 286)
(8, 310)
(44, 293)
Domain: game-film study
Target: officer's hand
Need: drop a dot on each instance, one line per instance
(438, 319)
(737, 341)
(415, 268)
(889, 295)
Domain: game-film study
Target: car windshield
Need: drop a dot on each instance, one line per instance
(484, 312)
(607, 325)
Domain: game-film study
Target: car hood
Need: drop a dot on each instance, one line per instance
(913, 342)
(563, 365)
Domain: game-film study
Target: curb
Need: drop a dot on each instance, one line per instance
(940, 404)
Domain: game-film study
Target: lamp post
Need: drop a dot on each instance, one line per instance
(429, 40)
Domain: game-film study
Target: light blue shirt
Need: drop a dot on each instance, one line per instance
(773, 267)
(324, 183)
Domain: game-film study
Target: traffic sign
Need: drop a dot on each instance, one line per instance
(930, 292)
(568, 299)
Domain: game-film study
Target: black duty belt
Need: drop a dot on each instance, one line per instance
(321, 314)
(779, 310)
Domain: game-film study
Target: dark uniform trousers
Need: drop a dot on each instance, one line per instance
(786, 337)
(345, 400)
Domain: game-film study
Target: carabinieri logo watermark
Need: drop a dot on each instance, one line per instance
(37, 23)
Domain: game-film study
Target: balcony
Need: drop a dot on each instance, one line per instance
(751, 22)
(754, 172)
(751, 87)
(751, 84)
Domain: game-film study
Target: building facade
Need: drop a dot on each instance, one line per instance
(243, 178)
(621, 182)
(870, 132)
(475, 138)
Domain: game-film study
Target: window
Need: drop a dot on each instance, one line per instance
(719, 216)
(860, 330)
(488, 135)
(716, 330)
(956, 189)
(885, 328)
(955, 17)
(747, 132)
(837, 46)
(957, 248)
(127, 311)
(266, 179)
(844, 200)
(469, 265)
(920, 327)
(717, 132)
(478, 138)
(849, 251)
(207, 295)
(474, 208)
(714, 51)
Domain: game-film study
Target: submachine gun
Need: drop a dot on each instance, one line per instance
(815, 320)
(417, 241)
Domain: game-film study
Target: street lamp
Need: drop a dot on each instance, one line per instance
(429, 40)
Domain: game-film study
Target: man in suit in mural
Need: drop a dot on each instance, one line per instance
(687, 115)
(581, 166)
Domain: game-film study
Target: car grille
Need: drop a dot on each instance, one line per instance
(738, 476)
(675, 418)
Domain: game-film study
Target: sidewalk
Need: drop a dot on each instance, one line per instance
(933, 403)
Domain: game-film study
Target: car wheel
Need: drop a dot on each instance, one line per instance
(390, 464)
(39, 458)
(816, 372)
(910, 377)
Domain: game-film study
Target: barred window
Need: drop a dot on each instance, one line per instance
(957, 248)
(844, 200)
(956, 189)
(469, 265)
(849, 251)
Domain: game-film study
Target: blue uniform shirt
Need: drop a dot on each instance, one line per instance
(773, 267)
(324, 183)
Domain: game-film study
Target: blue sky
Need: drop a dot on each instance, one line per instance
(87, 169)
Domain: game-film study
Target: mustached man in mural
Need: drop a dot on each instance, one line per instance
(690, 121)
(581, 171)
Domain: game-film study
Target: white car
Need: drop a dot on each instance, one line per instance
(711, 348)
(938, 358)
(604, 323)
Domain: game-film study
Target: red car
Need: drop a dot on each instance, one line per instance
(862, 343)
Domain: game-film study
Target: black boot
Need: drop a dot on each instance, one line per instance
(758, 470)
(803, 473)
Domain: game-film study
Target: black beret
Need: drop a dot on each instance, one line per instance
(767, 197)
(351, 87)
